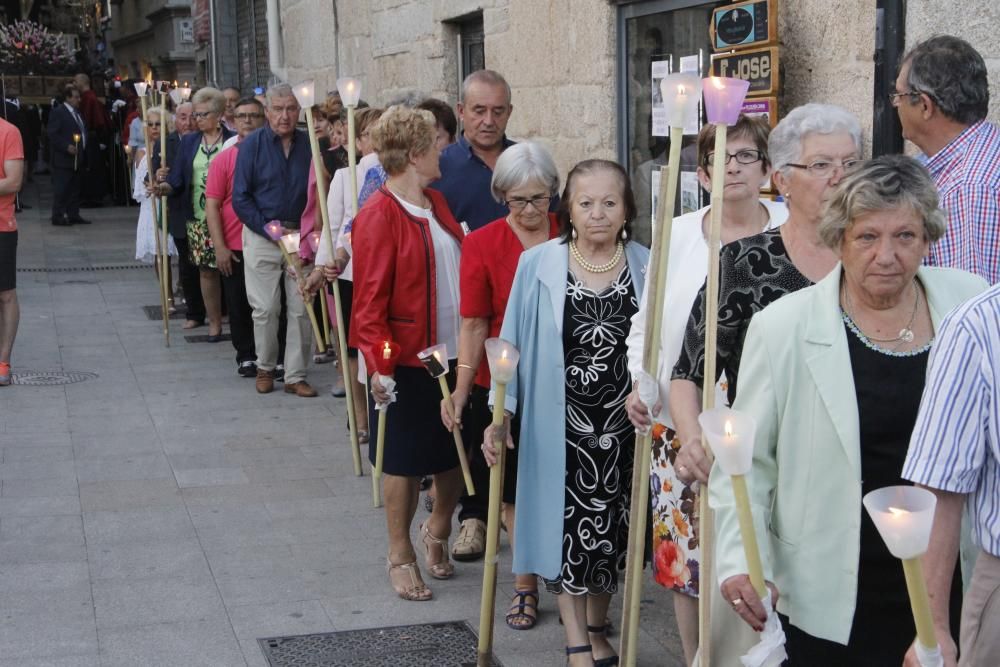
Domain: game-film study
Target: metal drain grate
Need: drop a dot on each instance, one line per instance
(49, 378)
(71, 269)
(203, 338)
(449, 644)
(156, 313)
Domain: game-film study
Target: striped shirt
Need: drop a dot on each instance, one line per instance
(955, 444)
(967, 175)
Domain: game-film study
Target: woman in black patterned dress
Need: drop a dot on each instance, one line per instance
(569, 313)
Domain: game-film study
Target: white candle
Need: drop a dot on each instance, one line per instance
(386, 352)
(677, 118)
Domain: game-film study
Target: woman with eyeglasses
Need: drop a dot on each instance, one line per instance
(188, 176)
(745, 213)
(146, 246)
(525, 180)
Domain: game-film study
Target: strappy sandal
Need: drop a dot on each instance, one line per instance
(602, 631)
(417, 591)
(573, 650)
(442, 569)
(521, 619)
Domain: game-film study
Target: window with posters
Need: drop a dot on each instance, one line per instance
(655, 38)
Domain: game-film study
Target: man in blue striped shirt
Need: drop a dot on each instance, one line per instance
(955, 453)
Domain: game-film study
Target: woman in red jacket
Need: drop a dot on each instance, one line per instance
(406, 277)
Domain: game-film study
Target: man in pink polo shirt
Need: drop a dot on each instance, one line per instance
(227, 236)
(11, 175)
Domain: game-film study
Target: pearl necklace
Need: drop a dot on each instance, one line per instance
(597, 268)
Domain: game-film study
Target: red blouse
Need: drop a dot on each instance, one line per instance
(489, 262)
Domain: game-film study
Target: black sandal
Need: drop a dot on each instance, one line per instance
(572, 650)
(602, 630)
(521, 614)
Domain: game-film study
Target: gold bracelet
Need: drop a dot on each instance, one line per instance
(461, 365)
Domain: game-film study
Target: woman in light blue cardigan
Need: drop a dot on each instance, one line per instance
(568, 314)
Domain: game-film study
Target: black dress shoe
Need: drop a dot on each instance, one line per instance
(79, 221)
(61, 222)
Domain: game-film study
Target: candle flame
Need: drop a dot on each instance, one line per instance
(387, 352)
(895, 511)
(175, 83)
(681, 90)
(717, 82)
(185, 84)
(729, 429)
(503, 353)
(350, 86)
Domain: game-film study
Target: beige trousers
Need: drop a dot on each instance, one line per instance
(980, 633)
(264, 269)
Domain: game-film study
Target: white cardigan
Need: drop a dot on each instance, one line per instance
(686, 271)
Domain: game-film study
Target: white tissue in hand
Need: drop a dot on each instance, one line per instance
(389, 384)
(929, 657)
(770, 651)
(649, 392)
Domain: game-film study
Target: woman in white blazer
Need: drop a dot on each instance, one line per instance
(833, 375)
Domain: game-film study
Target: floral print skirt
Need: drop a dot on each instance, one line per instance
(202, 252)
(675, 552)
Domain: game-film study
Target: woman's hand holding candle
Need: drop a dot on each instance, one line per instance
(459, 399)
(691, 463)
(379, 392)
(742, 597)
(494, 434)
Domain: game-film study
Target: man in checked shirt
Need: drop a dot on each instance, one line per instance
(942, 97)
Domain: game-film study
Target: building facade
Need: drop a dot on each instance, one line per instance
(153, 38)
(580, 69)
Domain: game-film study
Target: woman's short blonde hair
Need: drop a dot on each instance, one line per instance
(885, 183)
(213, 97)
(400, 133)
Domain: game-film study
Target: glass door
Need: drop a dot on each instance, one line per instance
(655, 38)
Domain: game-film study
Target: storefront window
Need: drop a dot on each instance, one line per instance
(670, 36)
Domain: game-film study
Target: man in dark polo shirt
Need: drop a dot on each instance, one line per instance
(269, 183)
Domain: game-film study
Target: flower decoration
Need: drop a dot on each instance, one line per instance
(27, 47)
(671, 569)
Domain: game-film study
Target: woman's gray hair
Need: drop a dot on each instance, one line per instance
(885, 183)
(784, 146)
(213, 97)
(523, 163)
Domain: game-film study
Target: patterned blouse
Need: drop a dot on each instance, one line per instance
(753, 273)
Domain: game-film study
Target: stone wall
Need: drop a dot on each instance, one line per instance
(559, 55)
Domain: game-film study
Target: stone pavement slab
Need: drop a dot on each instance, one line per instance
(164, 513)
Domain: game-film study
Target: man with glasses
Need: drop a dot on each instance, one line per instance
(942, 97)
(227, 236)
(269, 184)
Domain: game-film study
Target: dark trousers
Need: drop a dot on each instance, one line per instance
(190, 281)
(474, 423)
(65, 193)
(240, 313)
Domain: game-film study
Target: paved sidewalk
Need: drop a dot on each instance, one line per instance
(164, 513)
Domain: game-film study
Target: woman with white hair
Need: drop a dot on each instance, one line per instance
(811, 149)
(525, 180)
(146, 247)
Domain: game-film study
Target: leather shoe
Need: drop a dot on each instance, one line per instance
(471, 542)
(301, 389)
(79, 221)
(265, 381)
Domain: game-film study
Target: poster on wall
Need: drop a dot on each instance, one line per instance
(660, 70)
(689, 192)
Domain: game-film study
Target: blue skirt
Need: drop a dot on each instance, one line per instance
(416, 442)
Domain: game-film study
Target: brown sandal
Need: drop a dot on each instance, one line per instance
(442, 569)
(417, 591)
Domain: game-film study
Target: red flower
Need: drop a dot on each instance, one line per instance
(671, 570)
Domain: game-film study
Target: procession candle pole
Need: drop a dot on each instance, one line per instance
(385, 356)
(162, 229)
(76, 145)
(307, 95)
(502, 357)
(350, 93)
(680, 93)
(904, 516)
(434, 360)
(289, 245)
(723, 102)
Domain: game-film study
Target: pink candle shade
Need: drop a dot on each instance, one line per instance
(724, 99)
(273, 230)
